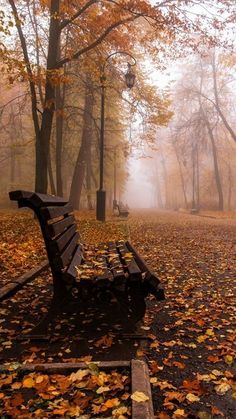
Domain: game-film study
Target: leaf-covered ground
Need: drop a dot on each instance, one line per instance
(85, 393)
(191, 354)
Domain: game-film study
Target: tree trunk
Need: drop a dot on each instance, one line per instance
(60, 99)
(43, 137)
(217, 102)
(181, 175)
(197, 178)
(230, 187)
(89, 174)
(216, 166)
(80, 166)
(50, 175)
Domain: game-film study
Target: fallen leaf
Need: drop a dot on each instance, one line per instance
(222, 388)
(204, 415)
(229, 359)
(179, 412)
(178, 364)
(192, 398)
(112, 403)
(216, 411)
(213, 358)
(139, 396)
(78, 375)
(102, 389)
(28, 382)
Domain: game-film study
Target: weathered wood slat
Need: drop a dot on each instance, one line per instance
(155, 287)
(75, 261)
(53, 230)
(132, 267)
(68, 252)
(60, 242)
(49, 213)
(37, 199)
(16, 195)
(102, 260)
(116, 266)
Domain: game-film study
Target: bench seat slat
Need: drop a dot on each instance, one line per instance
(101, 258)
(115, 261)
(132, 267)
(58, 227)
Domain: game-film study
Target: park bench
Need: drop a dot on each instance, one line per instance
(123, 210)
(112, 270)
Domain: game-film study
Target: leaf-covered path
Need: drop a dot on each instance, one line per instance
(191, 354)
(191, 357)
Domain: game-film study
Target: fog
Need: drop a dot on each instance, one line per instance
(169, 142)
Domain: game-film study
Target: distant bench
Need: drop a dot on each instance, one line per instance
(114, 269)
(122, 209)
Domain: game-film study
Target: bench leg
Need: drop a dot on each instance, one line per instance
(132, 304)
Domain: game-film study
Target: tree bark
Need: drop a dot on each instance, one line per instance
(215, 160)
(80, 166)
(181, 175)
(89, 174)
(217, 102)
(50, 175)
(60, 100)
(43, 146)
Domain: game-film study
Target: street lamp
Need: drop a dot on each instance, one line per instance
(130, 79)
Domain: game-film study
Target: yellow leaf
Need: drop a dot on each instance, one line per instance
(222, 388)
(229, 359)
(139, 396)
(210, 332)
(192, 398)
(217, 373)
(153, 380)
(204, 415)
(119, 411)
(28, 382)
(179, 412)
(201, 338)
(102, 389)
(78, 375)
(40, 379)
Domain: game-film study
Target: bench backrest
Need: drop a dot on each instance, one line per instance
(57, 223)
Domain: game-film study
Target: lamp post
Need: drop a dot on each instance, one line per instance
(130, 79)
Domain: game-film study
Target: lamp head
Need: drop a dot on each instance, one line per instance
(129, 77)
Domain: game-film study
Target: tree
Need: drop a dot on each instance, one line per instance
(95, 22)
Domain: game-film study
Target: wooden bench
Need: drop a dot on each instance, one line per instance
(109, 270)
(123, 210)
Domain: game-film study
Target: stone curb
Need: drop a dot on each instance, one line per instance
(140, 380)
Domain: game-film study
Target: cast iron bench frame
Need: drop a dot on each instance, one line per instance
(126, 275)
